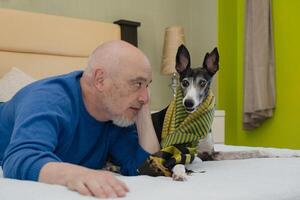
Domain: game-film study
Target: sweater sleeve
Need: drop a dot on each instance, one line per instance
(33, 140)
(127, 152)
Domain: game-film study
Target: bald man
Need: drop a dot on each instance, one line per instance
(61, 130)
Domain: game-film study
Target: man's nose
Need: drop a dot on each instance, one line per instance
(144, 96)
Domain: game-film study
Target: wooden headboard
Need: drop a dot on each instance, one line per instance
(43, 45)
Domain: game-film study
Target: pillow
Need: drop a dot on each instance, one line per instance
(12, 82)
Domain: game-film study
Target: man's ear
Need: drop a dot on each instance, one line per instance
(211, 62)
(183, 61)
(98, 78)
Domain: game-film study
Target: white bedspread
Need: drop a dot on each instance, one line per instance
(253, 179)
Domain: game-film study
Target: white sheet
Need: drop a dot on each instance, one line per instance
(253, 179)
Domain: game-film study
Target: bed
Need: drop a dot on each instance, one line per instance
(253, 179)
(43, 45)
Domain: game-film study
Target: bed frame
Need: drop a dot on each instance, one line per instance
(44, 45)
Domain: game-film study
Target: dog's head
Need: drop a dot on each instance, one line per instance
(195, 82)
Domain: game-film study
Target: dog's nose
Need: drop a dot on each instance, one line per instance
(188, 103)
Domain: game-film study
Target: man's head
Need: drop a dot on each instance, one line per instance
(115, 82)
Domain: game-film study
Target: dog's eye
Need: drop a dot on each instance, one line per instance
(185, 83)
(202, 83)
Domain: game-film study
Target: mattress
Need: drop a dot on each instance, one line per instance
(255, 179)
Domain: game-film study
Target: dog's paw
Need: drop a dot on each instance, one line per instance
(179, 173)
(112, 168)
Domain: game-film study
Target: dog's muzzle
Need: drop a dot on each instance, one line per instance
(189, 105)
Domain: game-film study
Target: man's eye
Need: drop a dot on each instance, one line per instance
(138, 84)
(185, 83)
(202, 83)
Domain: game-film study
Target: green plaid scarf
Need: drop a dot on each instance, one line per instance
(180, 135)
(182, 127)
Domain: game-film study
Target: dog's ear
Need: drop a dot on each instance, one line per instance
(183, 61)
(211, 62)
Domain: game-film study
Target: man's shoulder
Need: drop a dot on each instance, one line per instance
(54, 84)
(61, 90)
(69, 77)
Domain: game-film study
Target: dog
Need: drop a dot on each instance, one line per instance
(193, 96)
(195, 84)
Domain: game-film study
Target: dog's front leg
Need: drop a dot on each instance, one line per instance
(179, 173)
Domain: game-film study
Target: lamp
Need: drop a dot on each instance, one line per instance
(174, 37)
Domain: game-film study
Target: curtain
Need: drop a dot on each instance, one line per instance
(259, 69)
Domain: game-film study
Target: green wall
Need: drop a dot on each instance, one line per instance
(198, 17)
(228, 61)
(283, 129)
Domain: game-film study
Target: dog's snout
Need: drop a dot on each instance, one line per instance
(188, 103)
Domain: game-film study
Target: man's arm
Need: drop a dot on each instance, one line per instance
(146, 133)
(102, 184)
(29, 156)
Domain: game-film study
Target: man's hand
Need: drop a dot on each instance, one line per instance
(101, 184)
(147, 136)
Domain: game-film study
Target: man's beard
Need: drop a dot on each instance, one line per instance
(122, 121)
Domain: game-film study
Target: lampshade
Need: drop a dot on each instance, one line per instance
(174, 37)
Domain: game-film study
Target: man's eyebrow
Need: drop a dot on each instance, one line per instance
(138, 79)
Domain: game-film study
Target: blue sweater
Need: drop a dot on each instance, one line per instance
(47, 122)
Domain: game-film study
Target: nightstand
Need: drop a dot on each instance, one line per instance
(218, 127)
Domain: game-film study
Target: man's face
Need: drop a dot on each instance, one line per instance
(126, 95)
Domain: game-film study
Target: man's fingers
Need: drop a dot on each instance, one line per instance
(109, 191)
(100, 184)
(79, 187)
(119, 190)
(119, 187)
(121, 184)
(96, 189)
(82, 189)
